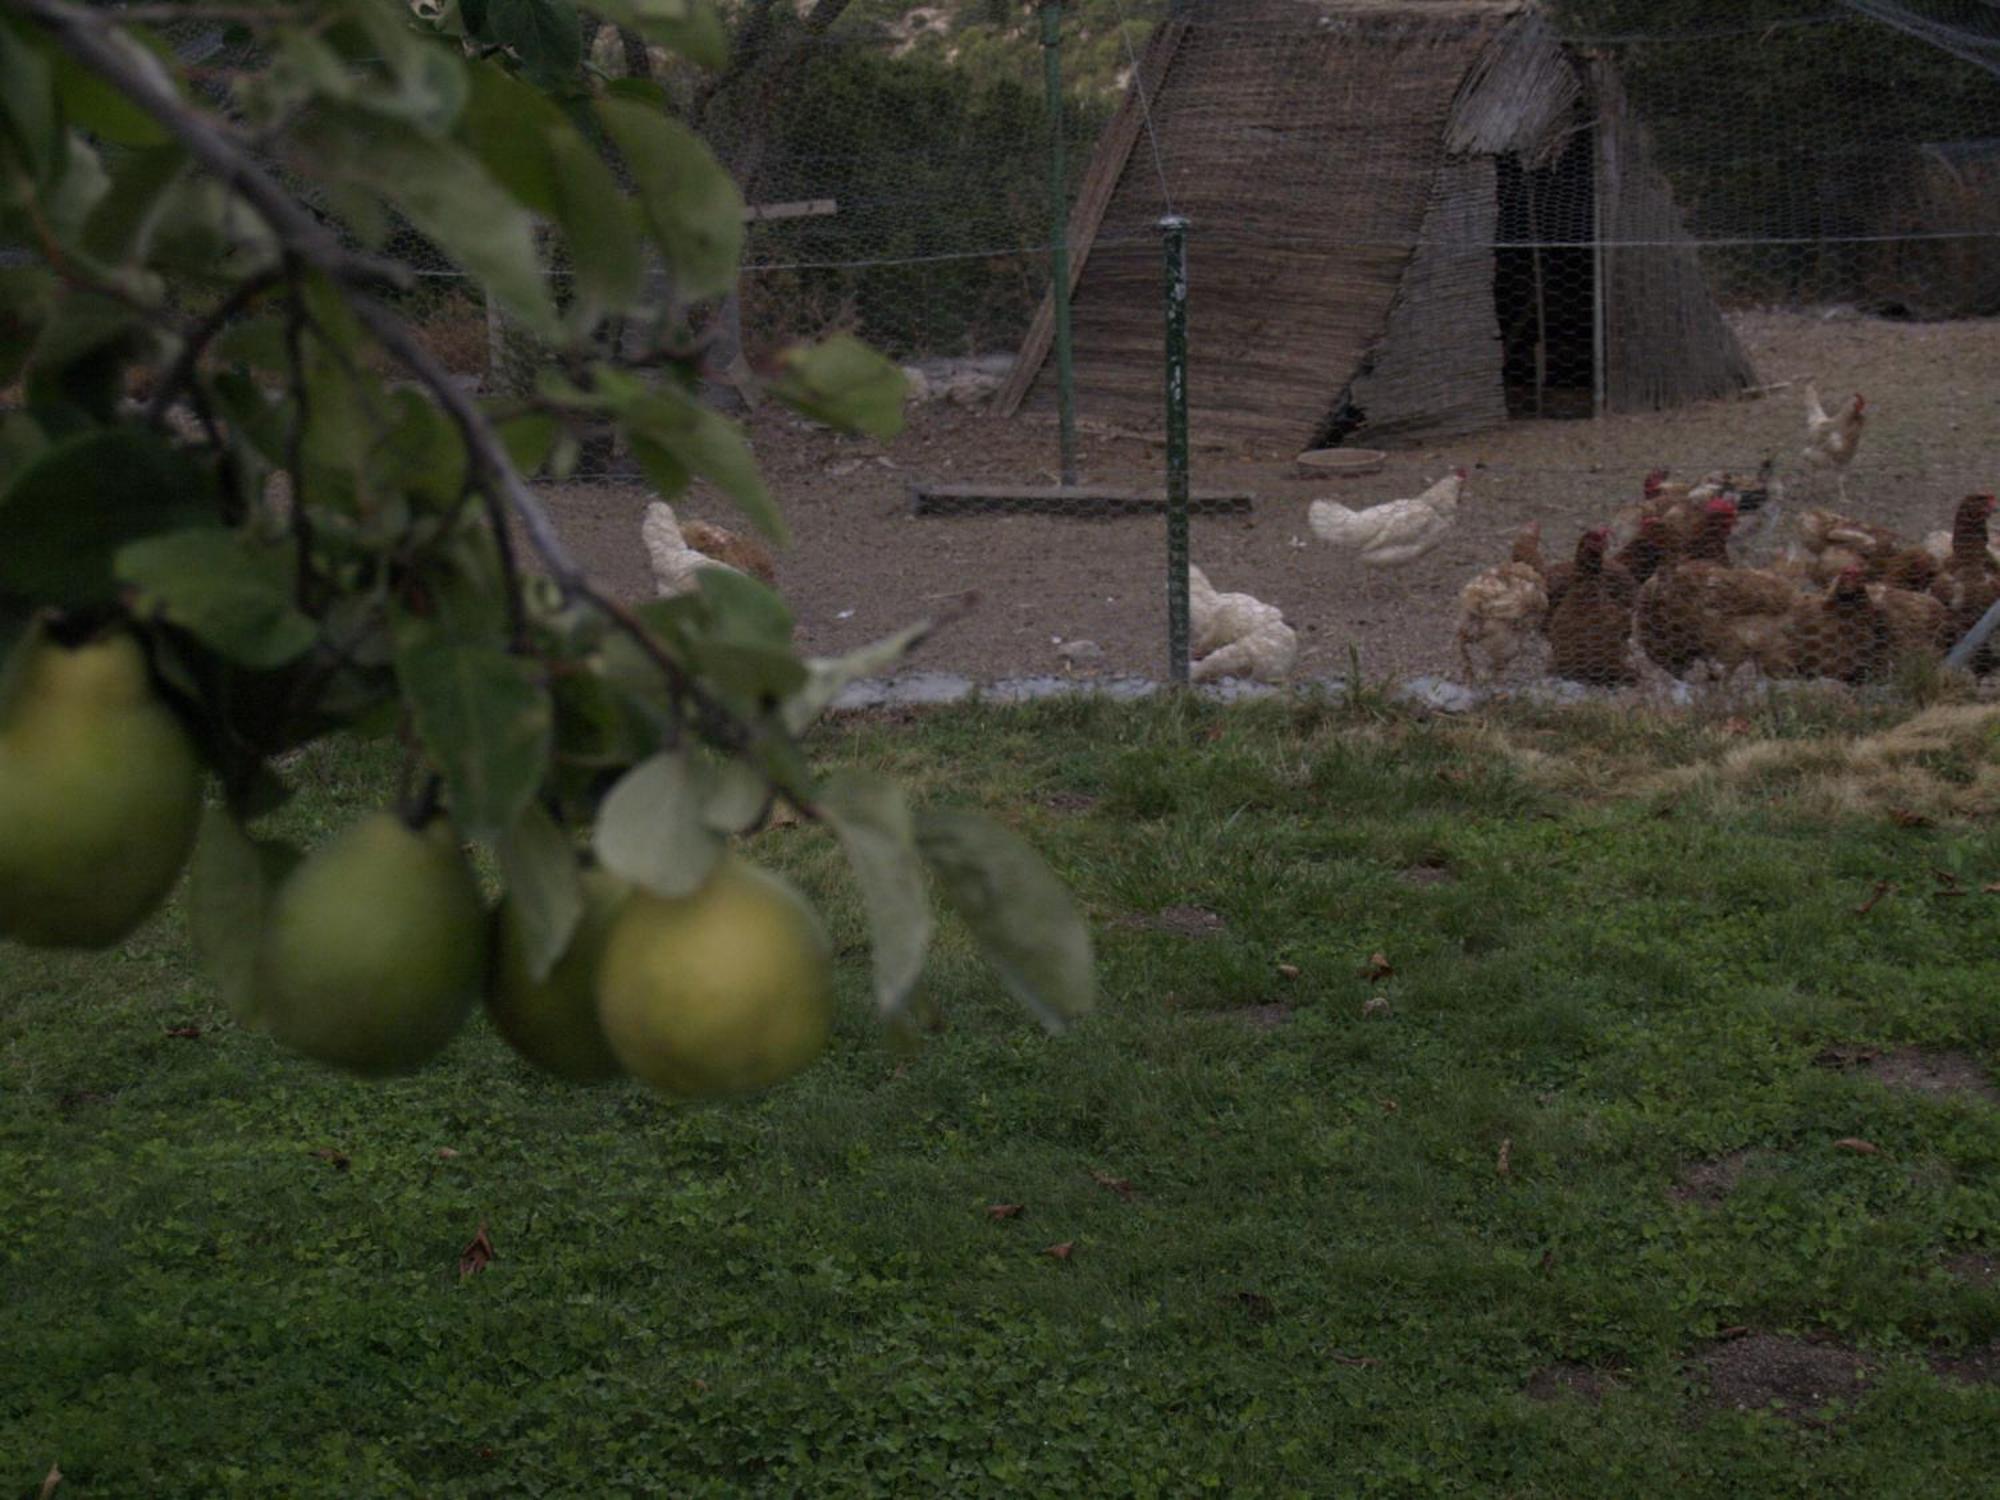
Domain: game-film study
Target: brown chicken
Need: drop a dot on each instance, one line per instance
(1968, 585)
(1918, 624)
(1699, 608)
(1643, 556)
(1835, 543)
(1676, 507)
(1590, 623)
(1842, 634)
(745, 554)
(1500, 609)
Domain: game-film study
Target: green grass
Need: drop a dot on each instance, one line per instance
(1321, 1285)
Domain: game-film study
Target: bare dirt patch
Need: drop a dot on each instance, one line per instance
(1791, 1378)
(863, 565)
(1709, 1182)
(1183, 921)
(1258, 1017)
(1950, 1074)
(1578, 1382)
(1069, 802)
(1427, 874)
(1942, 1074)
(1979, 1366)
(1979, 1267)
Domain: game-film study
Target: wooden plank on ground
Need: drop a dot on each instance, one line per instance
(1093, 197)
(1081, 501)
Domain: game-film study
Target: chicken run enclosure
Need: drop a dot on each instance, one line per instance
(1559, 246)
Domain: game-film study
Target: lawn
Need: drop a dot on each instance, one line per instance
(1656, 1154)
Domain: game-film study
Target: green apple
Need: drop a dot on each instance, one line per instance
(553, 1024)
(723, 992)
(100, 794)
(374, 949)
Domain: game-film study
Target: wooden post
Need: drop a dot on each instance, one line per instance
(1058, 240)
(1173, 231)
(1603, 208)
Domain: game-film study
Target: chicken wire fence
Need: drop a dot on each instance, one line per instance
(1561, 246)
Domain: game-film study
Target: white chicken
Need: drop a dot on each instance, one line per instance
(1833, 437)
(1235, 635)
(673, 561)
(1395, 532)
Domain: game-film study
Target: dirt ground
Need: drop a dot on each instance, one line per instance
(863, 564)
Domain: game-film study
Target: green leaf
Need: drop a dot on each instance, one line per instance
(1023, 918)
(485, 723)
(422, 453)
(92, 103)
(679, 437)
(742, 610)
(78, 359)
(597, 222)
(691, 204)
(734, 796)
(80, 182)
(451, 199)
(827, 675)
(27, 300)
(229, 593)
(844, 384)
(713, 447)
(119, 229)
(67, 513)
(546, 35)
(27, 102)
(507, 126)
(22, 441)
(528, 440)
(650, 828)
(231, 879)
(426, 82)
(538, 862)
(753, 678)
(873, 821)
(690, 27)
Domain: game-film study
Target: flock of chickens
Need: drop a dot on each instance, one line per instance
(1847, 600)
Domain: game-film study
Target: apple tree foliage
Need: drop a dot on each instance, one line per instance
(217, 427)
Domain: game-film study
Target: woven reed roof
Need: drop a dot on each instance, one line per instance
(1314, 145)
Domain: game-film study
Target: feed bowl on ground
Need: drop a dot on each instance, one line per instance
(1340, 463)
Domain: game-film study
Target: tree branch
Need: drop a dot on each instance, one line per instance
(197, 339)
(91, 38)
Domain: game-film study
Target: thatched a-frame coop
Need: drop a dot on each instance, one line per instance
(1410, 219)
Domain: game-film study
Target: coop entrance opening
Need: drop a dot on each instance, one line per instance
(1545, 283)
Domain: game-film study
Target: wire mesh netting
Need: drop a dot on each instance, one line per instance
(1561, 247)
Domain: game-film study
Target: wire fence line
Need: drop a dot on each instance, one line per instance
(1445, 233)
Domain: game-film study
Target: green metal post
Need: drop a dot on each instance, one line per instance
(1173, 230)
(1059, 236)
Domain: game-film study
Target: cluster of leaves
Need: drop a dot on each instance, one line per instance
(311, 546)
